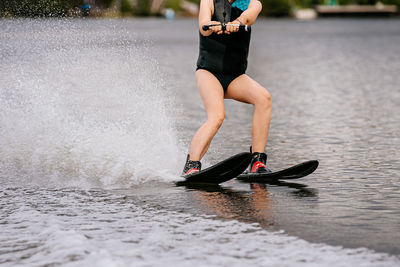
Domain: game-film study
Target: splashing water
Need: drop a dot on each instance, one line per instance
(82, 104)
(82, 107)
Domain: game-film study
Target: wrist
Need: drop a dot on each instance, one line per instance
(238, 20)
(243, 19)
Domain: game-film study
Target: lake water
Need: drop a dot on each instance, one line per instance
(96, 117)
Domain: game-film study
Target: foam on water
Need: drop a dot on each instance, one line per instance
(74, 110)
(94, 228)
(89, 108)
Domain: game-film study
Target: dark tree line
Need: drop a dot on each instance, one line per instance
(37, 8)
(44, 8)
(48, 8)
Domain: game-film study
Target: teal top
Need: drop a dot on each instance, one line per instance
(241, 4)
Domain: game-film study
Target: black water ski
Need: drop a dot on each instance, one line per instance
(220, 172)
(295, 172)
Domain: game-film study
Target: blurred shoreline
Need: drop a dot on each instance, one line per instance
(170, 9)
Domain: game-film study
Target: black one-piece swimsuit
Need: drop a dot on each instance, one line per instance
(224, 55)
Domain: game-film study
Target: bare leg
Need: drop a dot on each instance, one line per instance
(212, 94)
(245, 89)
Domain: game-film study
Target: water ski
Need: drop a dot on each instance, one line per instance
(294, 172)
(220, 172)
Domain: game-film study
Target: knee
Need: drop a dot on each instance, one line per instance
(264, 99)
(217, 120)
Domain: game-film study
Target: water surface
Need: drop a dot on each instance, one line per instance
(97, 115)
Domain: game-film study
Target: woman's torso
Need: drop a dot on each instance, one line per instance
(224, 53)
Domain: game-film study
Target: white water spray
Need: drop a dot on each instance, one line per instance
(82, 107)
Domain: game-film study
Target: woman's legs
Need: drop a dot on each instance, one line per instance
(245, 89)
(212, 94)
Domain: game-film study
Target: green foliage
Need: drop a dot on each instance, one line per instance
(392, 2)
(174, 4)
(104, 3)
(142, 8)
(126, 7)
(194, 1)
(275, 8)
(43, 8)
(365, 2)
(308, 3)
(37, 8)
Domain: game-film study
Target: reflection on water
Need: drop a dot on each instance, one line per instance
(255, 205)
(236, 205)
(336, 98)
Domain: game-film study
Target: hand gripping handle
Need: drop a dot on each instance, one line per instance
(245, 28)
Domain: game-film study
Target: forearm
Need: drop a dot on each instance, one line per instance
(249, 16)
(205, 16)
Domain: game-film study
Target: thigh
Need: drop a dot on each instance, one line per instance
(211, 92)
(245, 89)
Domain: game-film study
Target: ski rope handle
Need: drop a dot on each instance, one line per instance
(224, 24)
(245, 28)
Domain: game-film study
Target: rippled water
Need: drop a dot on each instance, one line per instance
(88, 106)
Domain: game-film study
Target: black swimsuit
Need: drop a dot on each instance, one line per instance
(224, 55)
(225, 79)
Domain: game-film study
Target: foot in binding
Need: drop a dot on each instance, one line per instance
(191, 167)
(258, 163)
